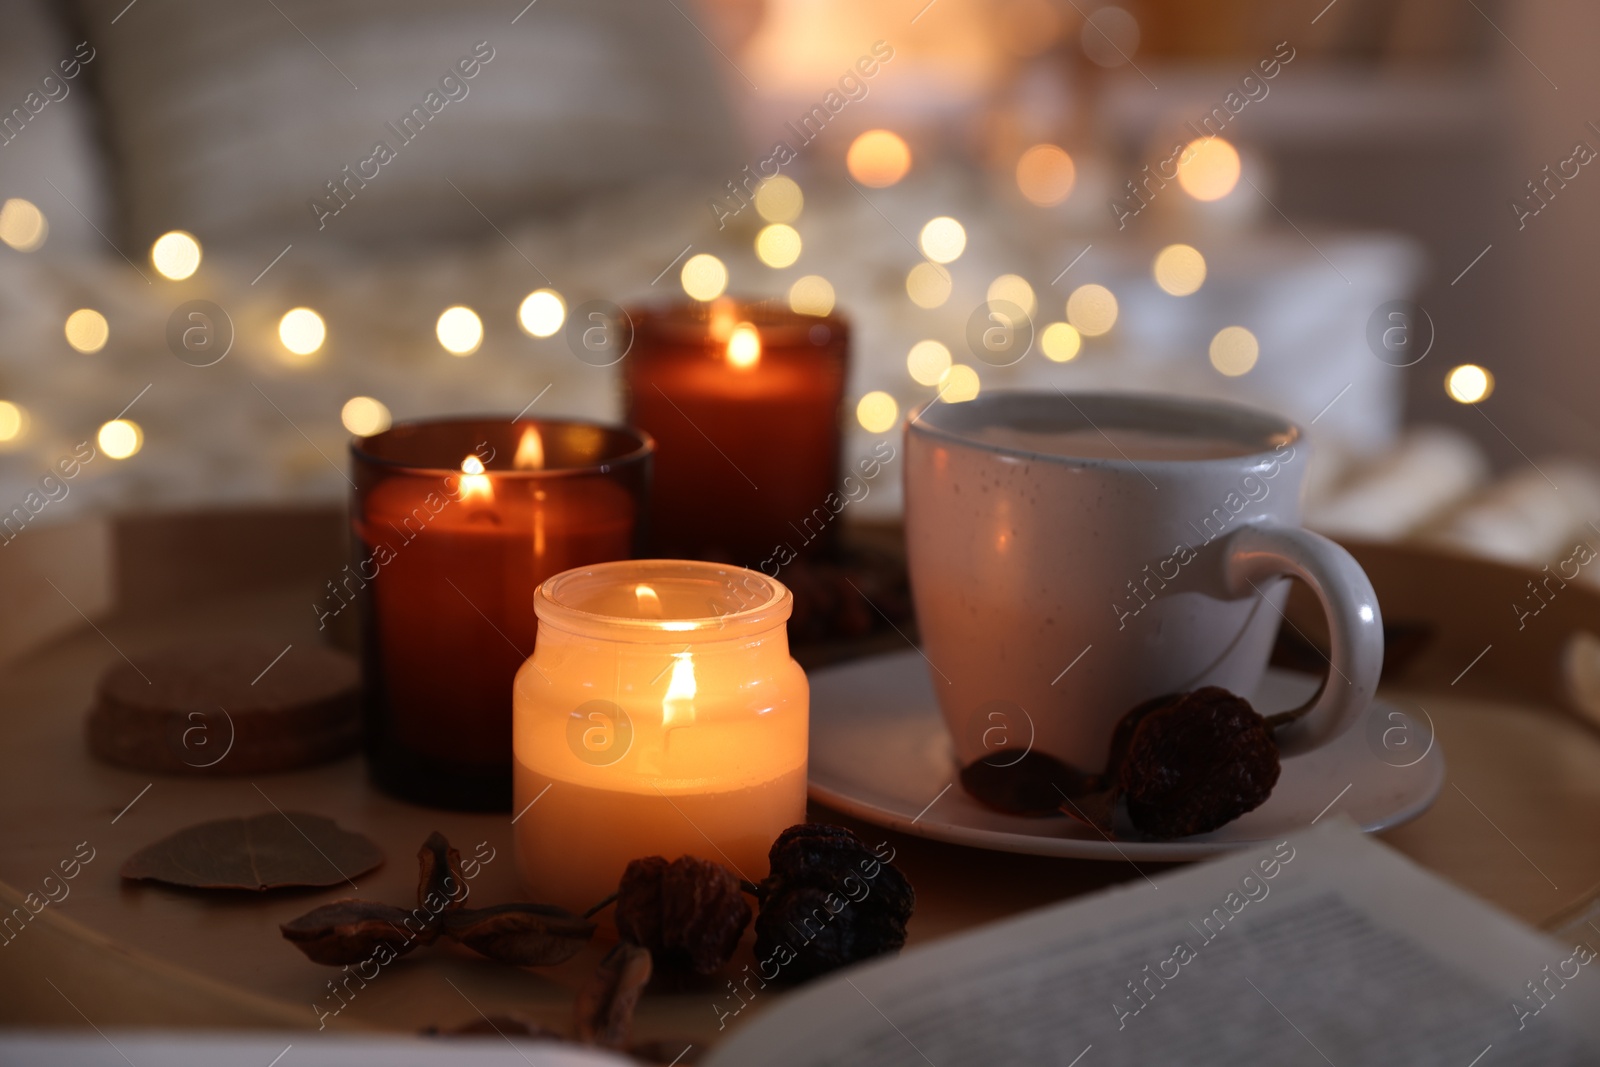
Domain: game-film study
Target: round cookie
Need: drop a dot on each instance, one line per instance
(227, 708)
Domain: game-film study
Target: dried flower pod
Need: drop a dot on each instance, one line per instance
(689, 913)
(439, 875)
(603, 1012)
(529, 935)
(349, 931)
(1032, 784)
(1198, 763)
(829, 901)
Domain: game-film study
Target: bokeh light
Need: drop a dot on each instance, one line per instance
(778, 245)
(1092, 310)
(811, 295)
(541, 313)
(460, 330)
(1234, 350)
(364, 416)
(960, 383)
(1015, 289)
(704, 277)
(120, 438)
(877, 412)
(22, 225)
(1208, 168)
(87, 330)
(928, 361)
(302, 331)
(1060, 342)
(878, 158)
(12, 420)
(1110, 36)
(779, 199)
(1179, 269)
(176, 255)
(928, 285)
(1046, 174)
(1469, 383)
(943, 239)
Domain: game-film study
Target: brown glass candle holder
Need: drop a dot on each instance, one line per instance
(455, 524)
(743, 400)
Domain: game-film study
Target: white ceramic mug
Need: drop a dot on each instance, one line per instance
(1072, 589)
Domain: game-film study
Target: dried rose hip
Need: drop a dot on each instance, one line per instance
(689, 913)
(1198, 763)
(829, 901)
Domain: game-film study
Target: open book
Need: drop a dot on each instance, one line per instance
(1326, 948)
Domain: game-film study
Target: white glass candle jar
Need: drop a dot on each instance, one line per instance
(660, 714)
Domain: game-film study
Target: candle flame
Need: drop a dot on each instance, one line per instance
(744, 347)
(677, 708)
(475, 483)
(530, 451)
(649, 601)
(723, 319)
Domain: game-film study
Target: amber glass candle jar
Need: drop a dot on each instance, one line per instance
(660, 714)
(456, 522)
(744, 402)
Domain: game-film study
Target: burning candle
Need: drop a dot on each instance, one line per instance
(456, 523)
(743, 401)
(660, 714)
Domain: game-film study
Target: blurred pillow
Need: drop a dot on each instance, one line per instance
(234, 121)
(47, 130)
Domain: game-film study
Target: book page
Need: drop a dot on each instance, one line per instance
(1326, 948)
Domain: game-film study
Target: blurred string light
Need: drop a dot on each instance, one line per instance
(120, 438)
(1060, 342)
(704, 277)
(22, 225)
(1014, 289)
(364, 416)
(877, 412)
(878, 158)
(811, 295)
(12, 420)
(459, 330)
(779, 199)
(1092, 310)
(928, 285)
(1110, 36)
(1469, 383)
(87, 330)
(1179, 270)
(928, 361)
(175, 255)
(959, 383)
(778, 245)
(1234, 351)
(1046, 175)
(542, 312)
(942, 239)
(1208, 168)
(302, 331)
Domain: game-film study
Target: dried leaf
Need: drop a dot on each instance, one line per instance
(271, 851)
(440, 873)
(349, 931)
(529, 935)
(604, 1008)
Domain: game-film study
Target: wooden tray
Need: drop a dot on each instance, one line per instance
(1516, 823)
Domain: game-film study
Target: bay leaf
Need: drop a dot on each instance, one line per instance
(529, 935)
(350, 931)
(276, 850)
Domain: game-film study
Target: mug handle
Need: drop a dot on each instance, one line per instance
(1264, 551)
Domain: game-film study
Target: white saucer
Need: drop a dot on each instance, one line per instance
(879, 751)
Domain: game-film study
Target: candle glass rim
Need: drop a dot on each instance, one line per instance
(766, 613)
(644, 448)
(778, 324)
